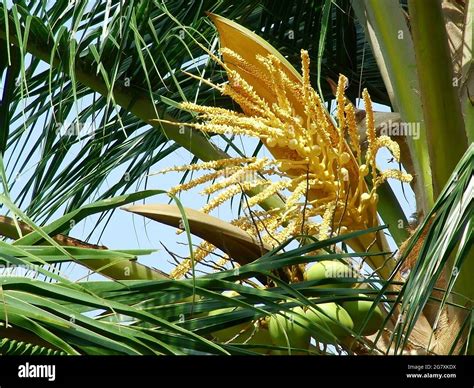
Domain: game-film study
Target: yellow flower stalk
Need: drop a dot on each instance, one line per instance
(203, 250)
(315, 166)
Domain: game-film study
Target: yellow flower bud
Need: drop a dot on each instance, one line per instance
(293, 144)
(364, 197)
(374, 198)
(271, 142)
(316, 150)
(345, 174)
(345, 157)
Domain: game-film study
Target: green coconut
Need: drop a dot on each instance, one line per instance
(250, 333)
(330, 269)
(225, 335)
(258, 335)
(289, 331)
(332, 318)
(359, 310)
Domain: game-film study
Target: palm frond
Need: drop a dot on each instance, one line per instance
(52, 111)
(443, 262)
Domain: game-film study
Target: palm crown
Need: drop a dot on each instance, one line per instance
(319, 192)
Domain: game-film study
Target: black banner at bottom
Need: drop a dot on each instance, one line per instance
(49, 371)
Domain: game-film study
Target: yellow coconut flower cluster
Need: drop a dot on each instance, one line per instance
(317, 165)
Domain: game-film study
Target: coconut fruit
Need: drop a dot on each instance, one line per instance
(359, 310)
(224, 335)
(228, 333)
(251, 333)
(332, 318)
(329, 269)
(258, 335)
(289, 331)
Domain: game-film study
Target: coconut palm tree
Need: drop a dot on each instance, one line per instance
(92, 88)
